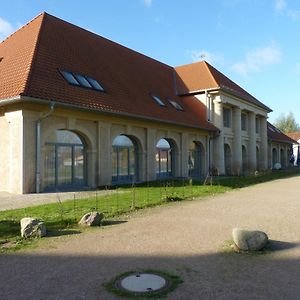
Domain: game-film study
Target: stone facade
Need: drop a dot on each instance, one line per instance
(241, 146)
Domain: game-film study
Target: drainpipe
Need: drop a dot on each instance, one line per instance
(38, 147)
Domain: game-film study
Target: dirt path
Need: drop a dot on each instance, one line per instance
(182, 238)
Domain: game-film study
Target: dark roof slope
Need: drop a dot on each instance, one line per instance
(33, 56)
(275, 134)
(294, 135)
(201, 75)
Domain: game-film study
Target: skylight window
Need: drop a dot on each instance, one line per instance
(82, 80)
(95, 84)
(175, 104)
(158, 100)
(69, 77)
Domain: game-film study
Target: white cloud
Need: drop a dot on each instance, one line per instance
(257, 59)
(147, 2)
(212, 58)
(293, 14)
(5, 29)
(280, 5)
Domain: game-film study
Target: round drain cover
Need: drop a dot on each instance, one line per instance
(143, 282)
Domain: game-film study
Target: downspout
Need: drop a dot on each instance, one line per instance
(38, 147)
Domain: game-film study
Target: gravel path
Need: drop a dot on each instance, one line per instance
(183, 238)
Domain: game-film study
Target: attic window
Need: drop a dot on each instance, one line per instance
(1, 58)
(95, 84)
(175, 104)
(158, 100)
(69, 77)
(82, 81)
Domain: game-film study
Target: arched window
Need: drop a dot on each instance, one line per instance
(274, 157)
(227, 160)
(164, 159)
(244, 159)
(194, 159)
(257, 159)
(124, 160)
(64, 161)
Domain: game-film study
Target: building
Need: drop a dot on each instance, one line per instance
(280, 148)
(296, 146)
(79, 110)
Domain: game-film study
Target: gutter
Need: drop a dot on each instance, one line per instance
(21, 98)
(38, 147)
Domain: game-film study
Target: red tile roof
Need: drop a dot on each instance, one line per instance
(275, 134)
(201, 75)
(33, 55)
(294, 135)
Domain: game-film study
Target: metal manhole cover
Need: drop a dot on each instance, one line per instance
(143, 282)
(146, 283)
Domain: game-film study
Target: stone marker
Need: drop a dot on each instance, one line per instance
(249, 240)
(91, 219)
(32, 228)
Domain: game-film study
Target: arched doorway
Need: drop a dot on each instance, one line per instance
(164, 159)
(227, 159)
(124, 160)
(195, 159)
(64, 161)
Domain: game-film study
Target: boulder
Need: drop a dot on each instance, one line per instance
(249, 240)
(31, 227)
(91, 219)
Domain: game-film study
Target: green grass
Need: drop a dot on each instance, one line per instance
(62, 217)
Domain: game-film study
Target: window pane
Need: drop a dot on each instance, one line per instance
(122, 141)
(78, 165)
(64, 165)
(95, 84)
(132, 161)
(163, 161)
(49, 166)
(114, 162)
(158, 100)
(81, 79)
(69, 77)
(123, 161)
(176, 105)
(226, 117)
(64, 137)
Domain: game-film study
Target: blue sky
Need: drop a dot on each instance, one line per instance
(256, 43)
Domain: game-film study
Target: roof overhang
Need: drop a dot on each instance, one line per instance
(24, 99)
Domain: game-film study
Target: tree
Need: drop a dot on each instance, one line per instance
(287, 123)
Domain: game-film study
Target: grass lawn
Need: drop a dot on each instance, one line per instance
(62, 217)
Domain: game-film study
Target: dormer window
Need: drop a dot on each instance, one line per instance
(175, 104)
(81, 80)
(158, 100)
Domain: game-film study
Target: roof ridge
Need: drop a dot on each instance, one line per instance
(23, 26)
(208, 66)
(32, 60)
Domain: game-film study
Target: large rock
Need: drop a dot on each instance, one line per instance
(249, 240)
(32, 228)
(91, 219)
